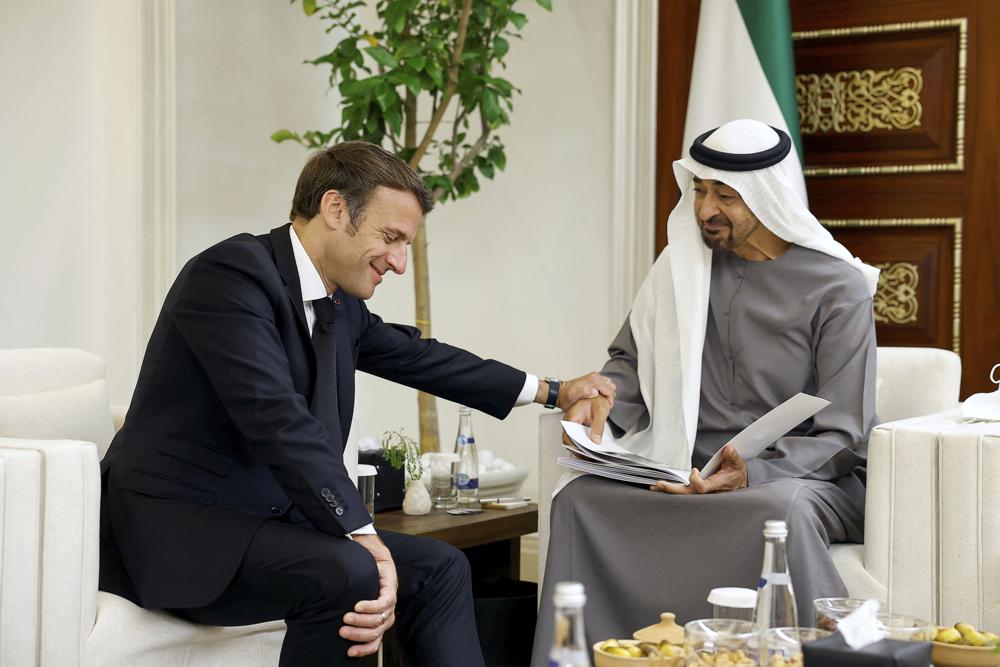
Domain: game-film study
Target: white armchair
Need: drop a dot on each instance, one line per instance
(932, 545)
(55, 424)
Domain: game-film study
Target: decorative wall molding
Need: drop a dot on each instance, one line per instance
(896, 299)
(633, 209)
(158, 111)
(956, 225)
(860, 101)
(960, 24)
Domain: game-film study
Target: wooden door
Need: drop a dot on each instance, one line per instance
(899, 104)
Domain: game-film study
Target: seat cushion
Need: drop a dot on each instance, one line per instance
(75, 413)
(125, 635)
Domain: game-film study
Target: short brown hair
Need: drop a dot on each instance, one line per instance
(354, 169)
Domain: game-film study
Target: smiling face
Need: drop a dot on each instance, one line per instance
(354, 257)
(725, 220)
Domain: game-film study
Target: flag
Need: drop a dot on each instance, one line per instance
(744, 68)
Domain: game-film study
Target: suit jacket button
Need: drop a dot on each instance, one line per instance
(339, 511)
(325, 492)
(277, 510)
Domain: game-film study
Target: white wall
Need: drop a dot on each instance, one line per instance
(67, 189)
(519, 271)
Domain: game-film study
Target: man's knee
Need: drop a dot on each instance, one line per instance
(342, 582)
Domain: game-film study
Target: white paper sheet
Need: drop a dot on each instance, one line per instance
(756, 437)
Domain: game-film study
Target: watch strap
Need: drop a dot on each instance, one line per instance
(550, 401)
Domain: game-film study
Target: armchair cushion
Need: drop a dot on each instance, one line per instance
(73, 413)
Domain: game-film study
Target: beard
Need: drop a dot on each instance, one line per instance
(721, 240)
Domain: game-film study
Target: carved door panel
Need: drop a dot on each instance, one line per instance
(899, 105)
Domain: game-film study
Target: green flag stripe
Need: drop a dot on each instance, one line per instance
(770, 28)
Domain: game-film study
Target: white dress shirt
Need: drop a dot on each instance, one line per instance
(313, 288)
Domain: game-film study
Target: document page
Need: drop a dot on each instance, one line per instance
(756, 437)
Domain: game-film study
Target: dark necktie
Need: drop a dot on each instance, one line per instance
(325, 406)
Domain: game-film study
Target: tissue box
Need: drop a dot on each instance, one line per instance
(832, 651)
(389, 484)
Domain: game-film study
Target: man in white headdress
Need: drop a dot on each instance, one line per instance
(750, 303)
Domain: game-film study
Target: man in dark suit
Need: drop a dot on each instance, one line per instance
(225, 498)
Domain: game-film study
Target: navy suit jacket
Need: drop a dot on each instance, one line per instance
(219, 436)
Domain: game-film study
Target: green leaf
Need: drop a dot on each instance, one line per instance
(545, 4)
(491, 108)
(433, 70)
(503, 86)
(309, 7)
(394, 119)
(360, 87)
(417, 63)
(485, 168)
(520, 20)
(500, 47)
(408, 79)
(382, 57)
(395, 15)
(409, 48)
(285, 135)
(497, 157)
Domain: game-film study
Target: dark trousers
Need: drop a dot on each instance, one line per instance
(311, 579)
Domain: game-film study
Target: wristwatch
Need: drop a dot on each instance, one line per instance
(550, 401)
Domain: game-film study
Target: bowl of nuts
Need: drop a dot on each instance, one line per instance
(964, 646)
(633, 653)
(721, 641)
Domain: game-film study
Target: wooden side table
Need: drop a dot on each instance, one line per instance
(491, 541)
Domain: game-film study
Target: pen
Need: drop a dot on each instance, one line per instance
(503, 500)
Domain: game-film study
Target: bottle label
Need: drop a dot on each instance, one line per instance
(463, 481)
(780, 578)
(465, 440)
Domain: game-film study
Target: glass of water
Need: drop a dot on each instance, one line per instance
(442, 466)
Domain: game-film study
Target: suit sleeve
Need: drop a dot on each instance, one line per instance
(837, 442)
(396, 352)
(226, 317)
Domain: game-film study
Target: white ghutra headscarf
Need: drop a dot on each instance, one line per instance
(671, 309)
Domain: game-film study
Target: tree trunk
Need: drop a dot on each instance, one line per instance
(426, 404)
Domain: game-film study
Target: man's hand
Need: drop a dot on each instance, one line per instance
(732, 475)
(371, 618)
(592, 412)
(590, 385)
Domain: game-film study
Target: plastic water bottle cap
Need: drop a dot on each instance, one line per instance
(569, 594)
(775, 529)
(739, 598)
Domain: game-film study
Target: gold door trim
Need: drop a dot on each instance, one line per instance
(860, 100)
(956, 225)
(962, 24)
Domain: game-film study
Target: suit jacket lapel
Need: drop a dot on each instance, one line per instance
(284, 258)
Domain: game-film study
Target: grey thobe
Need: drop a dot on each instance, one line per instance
(801, 322)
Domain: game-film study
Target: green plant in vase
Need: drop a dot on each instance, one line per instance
(402, 452)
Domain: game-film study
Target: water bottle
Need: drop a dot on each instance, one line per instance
(467, 475)
(775, 598)
(569, 642)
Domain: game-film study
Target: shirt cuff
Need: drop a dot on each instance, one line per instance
(363, 530)
(528, 392)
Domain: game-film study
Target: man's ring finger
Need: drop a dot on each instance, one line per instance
(384, 615)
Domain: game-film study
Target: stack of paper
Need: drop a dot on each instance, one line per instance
(609, 459)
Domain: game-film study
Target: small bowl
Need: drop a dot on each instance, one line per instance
(602, 659)
(905, 627)
(956, 655)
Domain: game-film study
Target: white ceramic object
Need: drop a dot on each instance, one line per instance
(417, 499)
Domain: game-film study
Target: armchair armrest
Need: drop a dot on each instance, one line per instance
(932, 535)
(50, 498)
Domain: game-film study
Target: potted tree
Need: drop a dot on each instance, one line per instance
(425, 82)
